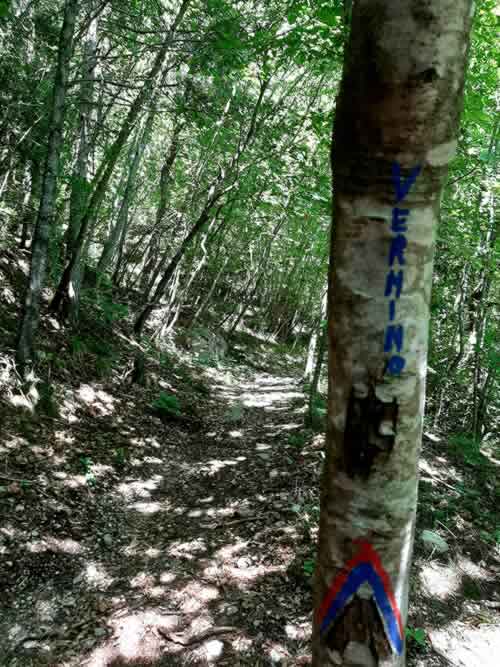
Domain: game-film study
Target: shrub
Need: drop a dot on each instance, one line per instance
(167, 404)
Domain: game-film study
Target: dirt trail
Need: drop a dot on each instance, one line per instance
(142, 542)
(189, 555)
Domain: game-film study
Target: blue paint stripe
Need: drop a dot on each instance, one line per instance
(365, 572)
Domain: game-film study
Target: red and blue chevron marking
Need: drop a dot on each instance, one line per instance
(366, 566)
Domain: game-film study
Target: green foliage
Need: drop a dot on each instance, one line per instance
(166, 360)
(318, 411)
(234, 414)
(298, 439)
(86, 464)
(416, 635)
(77, 346)
(208, 360)
(47, 404)
(105, 355)
(4, 8)
(309, 566)
(120, 456)
(113, 312)
(167, 404)
(468, 448)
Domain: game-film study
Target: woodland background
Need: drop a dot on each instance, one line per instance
(177, 155)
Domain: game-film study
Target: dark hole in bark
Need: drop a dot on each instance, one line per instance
(370, 431)
(359, 622)
(426, 76)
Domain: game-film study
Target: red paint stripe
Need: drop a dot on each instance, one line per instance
(340, 580)
(366, 554)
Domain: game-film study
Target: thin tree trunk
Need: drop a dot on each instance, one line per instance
(216, 191)
(455, 362)
(395, 132)
(149, 274)
(169, 271)
(79, 189)
(313, 391)
(260, 276)
(118, 230)
(206, 300)
(106, 170)
(316, 333)
(40, 244)
(30, 213)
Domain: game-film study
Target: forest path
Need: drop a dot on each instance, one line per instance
(190, 552)
(139, 541)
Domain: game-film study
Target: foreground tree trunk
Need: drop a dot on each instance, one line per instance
(395, 133)
(40, 244)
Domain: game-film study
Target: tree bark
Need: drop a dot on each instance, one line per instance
(40, 244)
(29, 214)
(395, 132)
(314, 364)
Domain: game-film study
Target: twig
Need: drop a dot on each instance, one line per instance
(16, 479)
(446, 528)
(225, 524)
(210, 632)
(438, 479)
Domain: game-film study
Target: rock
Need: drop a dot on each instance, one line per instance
(107, 539)
(19, 508)
(433, 541)
(277, 657)
(102, 606)
(100, 632)
(213, 650)
(274, 473)
(232, 610)
(358, 655)
(208, 343)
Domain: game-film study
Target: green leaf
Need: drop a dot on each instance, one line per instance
(328, 15)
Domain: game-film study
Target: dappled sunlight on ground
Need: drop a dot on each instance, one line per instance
(438, 580)
(146, 535)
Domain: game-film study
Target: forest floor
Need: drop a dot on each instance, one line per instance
(132, 536)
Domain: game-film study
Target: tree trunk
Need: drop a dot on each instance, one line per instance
(316, 336)
(312, 418)
(147, 282)
(29, 213)
(395, 133)
(169, 271)
(79, 188)
(106, 170)
(118, 230)
(207, 298)
(40, 244)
